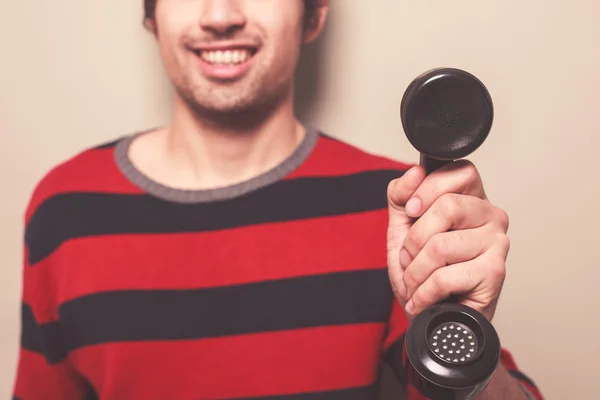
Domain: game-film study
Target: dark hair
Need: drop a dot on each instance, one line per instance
(310, 10)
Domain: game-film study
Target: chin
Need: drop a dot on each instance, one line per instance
(243, 100)
(230, 113)
(226, 104)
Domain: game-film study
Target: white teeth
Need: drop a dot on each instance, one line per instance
(227, 57)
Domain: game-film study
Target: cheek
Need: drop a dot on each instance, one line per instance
(173, 54)
(286, 42)
(173, 21)
(170, 54)
(176, 62)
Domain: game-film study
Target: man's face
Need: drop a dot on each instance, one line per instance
(227, 56)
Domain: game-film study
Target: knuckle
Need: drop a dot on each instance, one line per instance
(414, 239)
(448, 205)
(409, 279)
(497, 268)
(470, 171)
(390, 187)
(437, 287)
(420, 299)
(503, 219)
(439, 281)
(504, 242)
(440, 246)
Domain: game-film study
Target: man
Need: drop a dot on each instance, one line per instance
(236, 253)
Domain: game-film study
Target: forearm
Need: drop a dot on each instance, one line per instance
(503, 386)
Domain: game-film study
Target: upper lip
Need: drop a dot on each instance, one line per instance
(229, 45)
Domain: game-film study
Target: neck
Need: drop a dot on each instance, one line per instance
(196, 152)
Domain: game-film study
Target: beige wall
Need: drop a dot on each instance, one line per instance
(74, 73)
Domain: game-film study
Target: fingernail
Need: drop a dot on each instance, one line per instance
(405, 258)
(413, 207)
(409, 307)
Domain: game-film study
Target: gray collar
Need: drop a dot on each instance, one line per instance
(207, 195)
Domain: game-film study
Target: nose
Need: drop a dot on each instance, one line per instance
(222, 17)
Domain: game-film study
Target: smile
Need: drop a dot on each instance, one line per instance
(225, 57)
(227, 62)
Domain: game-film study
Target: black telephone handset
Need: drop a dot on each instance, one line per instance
(450, 351)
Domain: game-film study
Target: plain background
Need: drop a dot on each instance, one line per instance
(76, 73)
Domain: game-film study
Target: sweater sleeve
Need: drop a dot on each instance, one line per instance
(394, 357)
(528, 385)
(44, 370)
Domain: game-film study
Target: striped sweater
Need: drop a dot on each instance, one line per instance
(276, 287)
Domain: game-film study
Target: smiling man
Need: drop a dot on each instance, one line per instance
(236, 252)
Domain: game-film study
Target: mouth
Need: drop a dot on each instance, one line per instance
(225, 63)
(226, 57)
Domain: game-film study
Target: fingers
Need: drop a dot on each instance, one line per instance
(453, 239)
(445, 249)
(459, 177)
(482, 278)
(401, 189)
(399, 223)
(458, 278)
(449, 212)
(441, 231)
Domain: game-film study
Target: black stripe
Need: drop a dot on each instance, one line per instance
(522, 377)
(107, 145)
(71, 215)
(329, 137)
(44, 339)
(89, 392)
(393, 357)
(360, 393)
(330, 299)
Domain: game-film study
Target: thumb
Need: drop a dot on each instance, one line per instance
(399, 222)
(400, 190)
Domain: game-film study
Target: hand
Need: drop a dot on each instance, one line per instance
(458, 245)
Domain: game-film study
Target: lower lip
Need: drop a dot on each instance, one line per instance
(224, 71)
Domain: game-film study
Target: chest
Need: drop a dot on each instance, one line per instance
(221, 257)
(272, 307)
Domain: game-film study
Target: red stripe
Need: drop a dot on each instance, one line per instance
(285, 250)
(96, 170)
(40, 290)
(89, 171)
(398, 324)
(230, 367)
(36, 379)
(348, 159)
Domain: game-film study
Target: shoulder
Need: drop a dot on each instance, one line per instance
(85, 171)
(335, 157)
(354, 158)
(57, 196)
(346, 176)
